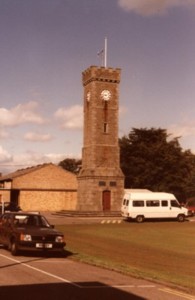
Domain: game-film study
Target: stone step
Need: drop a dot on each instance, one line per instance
(73, 213)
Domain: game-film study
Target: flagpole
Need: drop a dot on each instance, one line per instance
(105, 53)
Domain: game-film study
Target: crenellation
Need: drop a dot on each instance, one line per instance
(101, 74)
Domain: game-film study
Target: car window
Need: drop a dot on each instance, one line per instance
(30, 220)
(5, 220)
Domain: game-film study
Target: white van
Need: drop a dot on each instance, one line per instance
(142, 204)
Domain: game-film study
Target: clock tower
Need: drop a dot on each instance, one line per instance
(100, 181)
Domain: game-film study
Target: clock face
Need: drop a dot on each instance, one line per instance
(106, 95)
(88, 96)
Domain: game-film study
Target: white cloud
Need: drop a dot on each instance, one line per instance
(37, 137)
(10, 163)
(22, 113)
(70, 118)
(3, 134)
(5, 156)
(182, 130)
(32, 158)
(186, 133)
(152, 7)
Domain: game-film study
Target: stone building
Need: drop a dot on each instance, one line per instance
(100, 181)
(45, 187)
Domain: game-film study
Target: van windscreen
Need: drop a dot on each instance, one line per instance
(174, 203)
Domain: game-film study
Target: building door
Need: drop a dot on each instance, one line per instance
(106, 200)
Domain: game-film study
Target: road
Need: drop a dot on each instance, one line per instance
(30, 277)
(51, 278)
(34, 277)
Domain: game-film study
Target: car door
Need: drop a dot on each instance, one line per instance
(3, 228)
(1, 224)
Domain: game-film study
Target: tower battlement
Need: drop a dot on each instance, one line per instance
(103, 74)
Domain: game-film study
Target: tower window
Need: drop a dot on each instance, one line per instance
(112, 183)
(102, 183)
(105, 127)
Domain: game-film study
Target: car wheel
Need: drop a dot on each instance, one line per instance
(181, 218)
(139, 219)
(14, 248)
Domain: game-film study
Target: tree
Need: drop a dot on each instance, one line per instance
(150, 159)
(71, 164)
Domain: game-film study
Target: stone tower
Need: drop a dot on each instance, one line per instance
(100, 181)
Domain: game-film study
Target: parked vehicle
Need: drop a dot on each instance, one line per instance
(190, 205)
(29, 231)
(8, 206)
(139, 205)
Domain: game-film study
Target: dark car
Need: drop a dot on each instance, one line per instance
(29, 231)
(9, 206)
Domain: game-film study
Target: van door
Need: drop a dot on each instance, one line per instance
(124, 208)
(153, 209)
(175, 208)
(165, 209)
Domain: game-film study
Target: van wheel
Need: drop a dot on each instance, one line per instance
(181, 218)
(139, 219)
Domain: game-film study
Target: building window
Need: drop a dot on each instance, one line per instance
(105, 127)
(112, 183)
(102, 183)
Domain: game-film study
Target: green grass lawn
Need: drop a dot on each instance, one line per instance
(160, 251)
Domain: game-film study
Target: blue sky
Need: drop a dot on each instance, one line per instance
(45, 46)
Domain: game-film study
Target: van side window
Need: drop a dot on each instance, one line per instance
(174, 203)
(164, 203)
(153, 203)
(138, 203)
(127, 202)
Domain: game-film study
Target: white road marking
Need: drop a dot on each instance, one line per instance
(177, 293)
(40, 271)
(110, 221)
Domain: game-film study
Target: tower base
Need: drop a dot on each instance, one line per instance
(100, 193)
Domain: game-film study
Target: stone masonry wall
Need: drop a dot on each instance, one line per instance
(48, 200)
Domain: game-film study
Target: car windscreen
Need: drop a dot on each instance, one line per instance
(30, 220)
